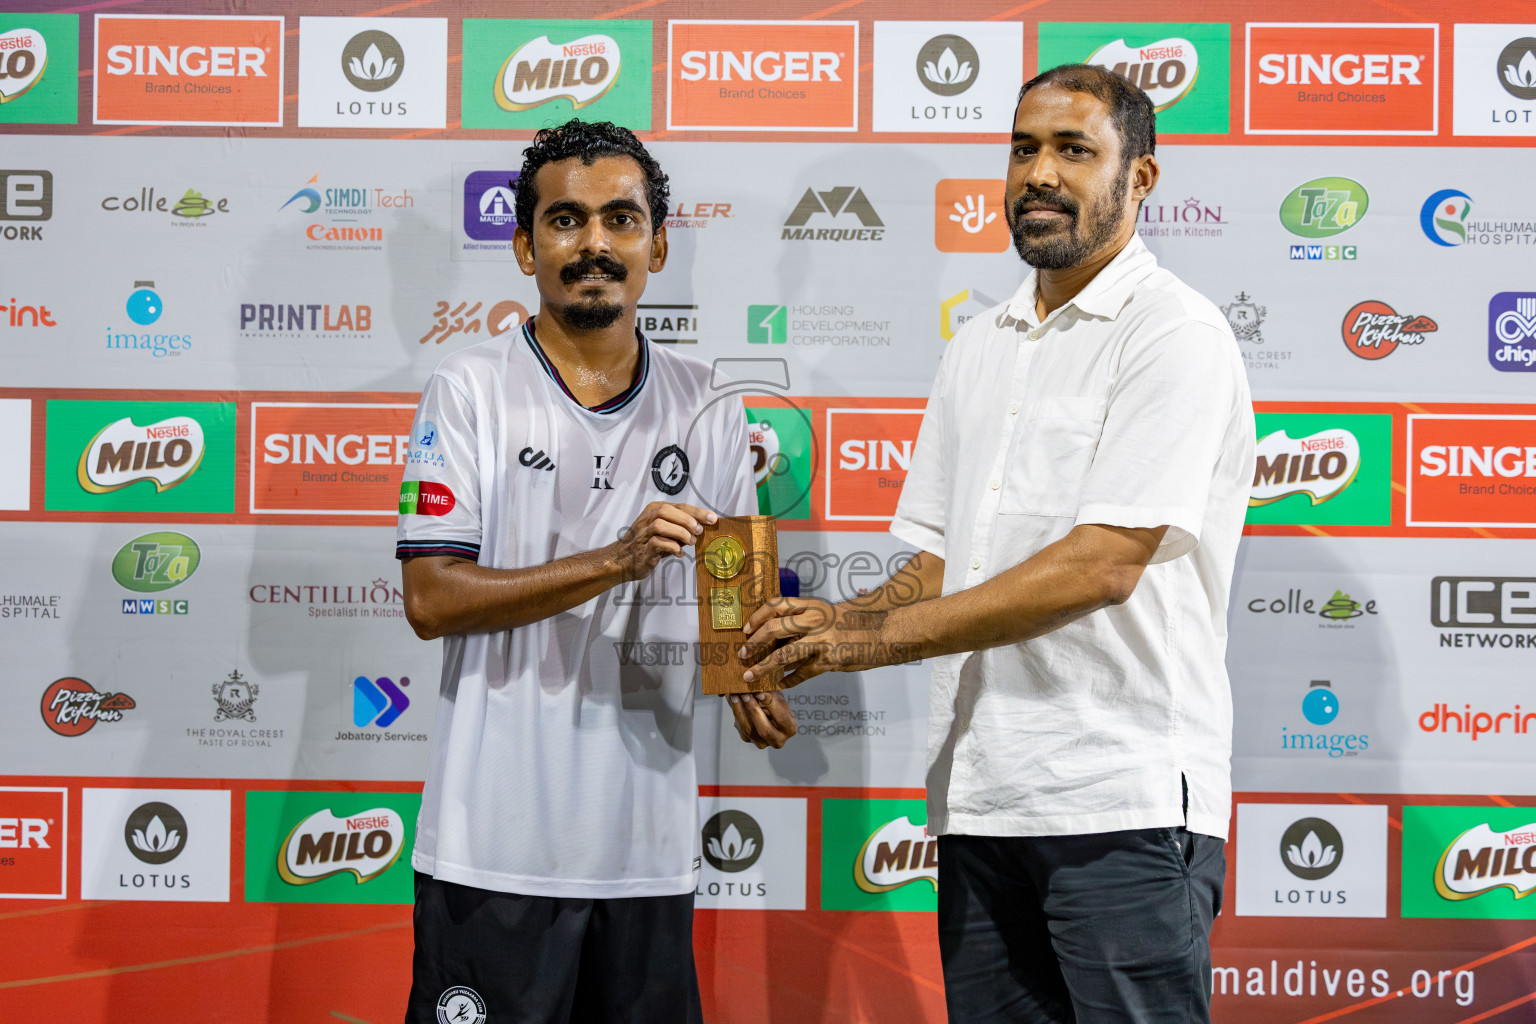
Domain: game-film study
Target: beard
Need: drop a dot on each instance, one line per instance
(1045, 247)
(591, 314)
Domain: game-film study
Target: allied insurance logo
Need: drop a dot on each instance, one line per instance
(534, 73)
(1342, 79)
(190, 69)
(328, 459)
(763, 75)
(1471, 470)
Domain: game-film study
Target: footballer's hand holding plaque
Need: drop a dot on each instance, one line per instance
(737, 567)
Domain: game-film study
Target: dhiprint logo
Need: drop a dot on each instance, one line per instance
(1311, 849)
(156, 833)
(897, 853)
(1443, 217)
(948, 65)
(732, 841)
(324, 844)
(373, 61)
(198, 69)
(72, 707)
(837, 202)
(1320, 466)
(1374, 330)
(968, 216)
(17, 315)
(1512, 332)
(378, 702)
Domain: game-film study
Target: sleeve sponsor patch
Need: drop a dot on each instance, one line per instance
(425, 498)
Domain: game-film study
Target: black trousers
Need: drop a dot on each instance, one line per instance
(1110, 928)
(512, 959)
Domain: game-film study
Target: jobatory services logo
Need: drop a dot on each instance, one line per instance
(1322, 468)
(26, 201)
(34, 842)
(763, 76)
(1374, 330)
(877, 855)
(144, 307)
(1184, 68)
(1318, 78)
(947, 76)
(1311, 860)
(189, 70)
(327, 459)
(1512, 332)
(140, 456)
(72, 707)
(1494, 91)
(1471, 470)
(533, 73)
(968, 216)
(378, 702)
(39, 68)
(373, 72)
(1469, 862)
(155, 844)
(316, 847)
(868, 454)
(846, 205)
(1322, 208)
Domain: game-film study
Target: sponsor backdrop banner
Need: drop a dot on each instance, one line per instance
(236, 238)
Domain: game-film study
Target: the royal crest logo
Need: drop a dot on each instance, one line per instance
(1373, 330)
(1482, 859)
(122, 453)
(365, 844)
(73, 706)
(897, 854)
(1245, 317)
(1320, 466)
(1165, 70)
(236, 699)
(582, 71)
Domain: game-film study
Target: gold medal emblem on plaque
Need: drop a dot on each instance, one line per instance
(725, 607)
(724, 558)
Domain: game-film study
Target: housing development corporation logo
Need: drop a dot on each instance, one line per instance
(373, 72)
(763, 75)
(1374, 330)
(946, 76)
(845, 204)
(209, 70)
(1471, 470)
(1322, 208)
(531, 73)
(72, 707)
(1512, 332)
(1342, 79)
(1469, 862)
(1184, 68)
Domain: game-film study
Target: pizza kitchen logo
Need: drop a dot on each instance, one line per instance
(1374, 330)
(72, 707)
(364, 845)
(1319, 466)
(124, 453)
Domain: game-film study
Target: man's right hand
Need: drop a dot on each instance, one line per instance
(662, 529)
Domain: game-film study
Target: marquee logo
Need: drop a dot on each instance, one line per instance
(1512, 332)
(582, 71)
(321, 845)
(897, 853)
(763, 75)
(123, 453)
(72, 707)
(329, 459)
(1483, 859)
(1343, 79)
(843, 201)
(1319, 466)
(156, 562)
(1472, 470)
(34, 842)
(23, 58)
(208, 70)
(1373, 330)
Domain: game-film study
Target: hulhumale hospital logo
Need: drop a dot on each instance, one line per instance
(1443, 217)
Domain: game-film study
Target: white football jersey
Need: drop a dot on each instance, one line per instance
(562, 760)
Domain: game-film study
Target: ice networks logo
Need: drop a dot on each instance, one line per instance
(1320, 706)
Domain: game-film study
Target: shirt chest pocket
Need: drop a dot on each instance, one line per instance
(1049, 457)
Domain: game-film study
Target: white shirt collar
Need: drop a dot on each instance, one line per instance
(1105, 296)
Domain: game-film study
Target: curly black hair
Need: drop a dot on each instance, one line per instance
(587, 141)
(1129, 108)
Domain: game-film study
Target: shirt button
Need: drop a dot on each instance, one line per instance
(1013, 410)
(1035, 334)
(975, 563)
(996, 484)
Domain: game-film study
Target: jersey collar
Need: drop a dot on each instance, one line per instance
(613, 404)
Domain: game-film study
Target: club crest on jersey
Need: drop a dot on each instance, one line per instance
(460, 1005)
(669, 470)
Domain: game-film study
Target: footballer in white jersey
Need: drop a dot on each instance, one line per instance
(551, 470)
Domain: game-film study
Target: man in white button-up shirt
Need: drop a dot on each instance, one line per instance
(1077, 494)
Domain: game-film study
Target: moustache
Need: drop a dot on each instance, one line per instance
(1032, 195)
(599, 264)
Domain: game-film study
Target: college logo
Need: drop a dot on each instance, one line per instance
(1469, 862)
(868, 454)
(1246, 318)
(365, 844)
(529, 73)
(1183, 68)
(378, 701)
(72, 707)
(968, 216)
(329, 847)
(1343, 79)
(39, 68)
(156, 562)
(946, 76)
(373, 72)
(1373, 330)
(1337, 610)
(732, 841)
(327, 459)
(1319, 466)
(763, 75)
(209, 70)
(844, 201)
(1471, 470)
(25, 196)
(1494, 91)
(1512, 332)
(235, 699)
(1284, 850)
(34, 842)
(490, 205)
(191, 210)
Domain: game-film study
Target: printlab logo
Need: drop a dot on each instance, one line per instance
(1322, 208)
(235, 699)
(156, 833)
(372, 61)
(947, 65)
(25, 197)
(378, 701)
(732, 841)
(72, 707)
(843, 201)
(490, 205)
(1512, 332)
(464, 317)
(1246, 318)
(1311, 849)
(968, 216)
(1374, 330)
(1443, 217)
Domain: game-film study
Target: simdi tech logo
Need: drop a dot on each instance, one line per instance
(763, 76)
(947, 76)
(534, 73)
(373, 72)
(39, 68)
(105, 456)
(1316, 78)
(1321, 468)
(1184, 68)
(34, 842)
(189, 70)
(877, 855)
(329, 847)
(1469, 862)
(1471, 470)
(1494, 83)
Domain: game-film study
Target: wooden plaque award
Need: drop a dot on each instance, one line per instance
(737, 567)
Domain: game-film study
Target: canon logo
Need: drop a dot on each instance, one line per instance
(1471, 460)
(193, 61)
(1339, 69)
(23, 833)
(767, 66)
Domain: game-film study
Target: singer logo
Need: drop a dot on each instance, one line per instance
(1471, 470)
(1319, 466)
(207, 70)
(868, 454)
(34, 840)
(327, 459)
(764, 75)
(1345, 79)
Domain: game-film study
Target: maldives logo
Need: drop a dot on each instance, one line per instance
(1319, 466)
(897, 853)
(1373, 330)
(208, 70)
(72, 707)
(365, 845)
(1343, 79)
(1324, 207)
(123, 453)
(1482, 859)
(771, 75)
(1443, 217)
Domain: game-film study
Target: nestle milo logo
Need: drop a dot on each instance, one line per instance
(1323, 207)
(156, 561)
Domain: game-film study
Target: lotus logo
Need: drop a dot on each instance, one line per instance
(733, 841)
(581, 71)
(1482, 859)
(1320, 466)
(1311, 848)
(1517, 68)
(23, 58)
(947, 65)
(365, 844)
(896, 854)
(1323, 207)
(372, 61)
(155, 833)
(1443, 217)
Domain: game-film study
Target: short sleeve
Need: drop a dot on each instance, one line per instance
(440, 492)
(1169, 417)
(921, 510)
(736, 487)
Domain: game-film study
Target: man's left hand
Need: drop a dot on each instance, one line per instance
(764, 719)
(795, 639)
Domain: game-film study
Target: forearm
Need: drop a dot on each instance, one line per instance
(921, 578)
(457, 596)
